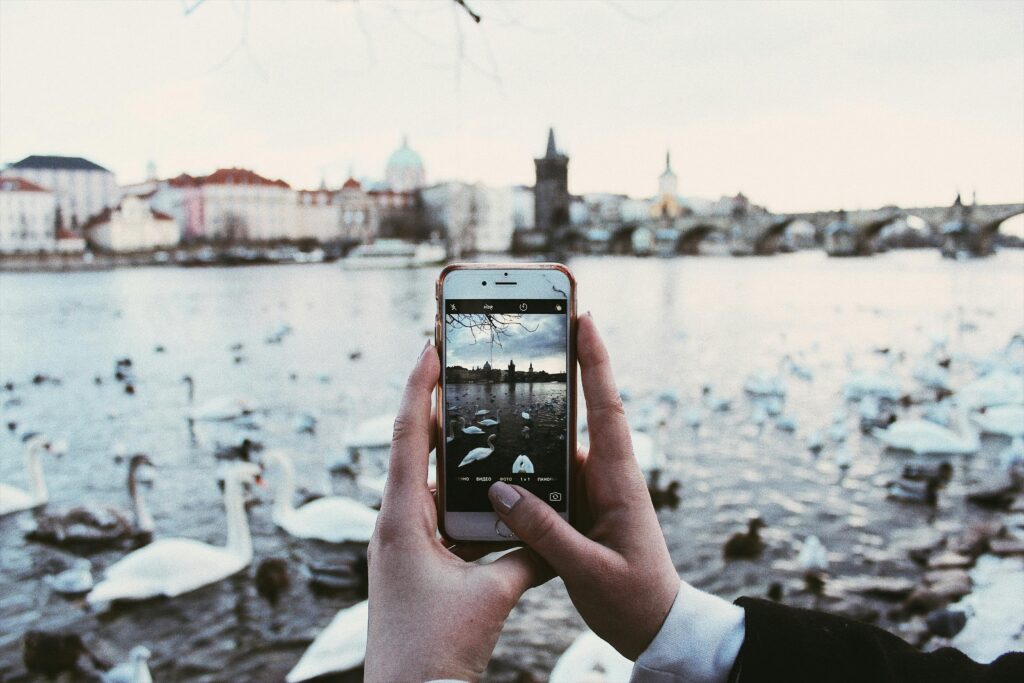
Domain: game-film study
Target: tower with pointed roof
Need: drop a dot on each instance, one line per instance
(667, 205)
(551, 191)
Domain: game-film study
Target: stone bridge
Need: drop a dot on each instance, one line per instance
(959, 228)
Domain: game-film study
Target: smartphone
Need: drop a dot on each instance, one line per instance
(506, 402)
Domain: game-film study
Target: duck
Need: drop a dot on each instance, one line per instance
(339, 647)
(52, 654)
(480, 453)
(745, 546)
(590, 658)
(74, 581)
(667, 497)
(16, 500)
(488, 422)
(909, 491)
(335, 519)
(940, 473)
(522, 465)
(135, 670)
(1005, 420)
(472, 429)
(94, 526)
(812, 556)
(173, 566)
(525, 415)
(923, 436)
(272, 579)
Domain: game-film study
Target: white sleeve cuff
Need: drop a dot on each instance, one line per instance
(698, 643)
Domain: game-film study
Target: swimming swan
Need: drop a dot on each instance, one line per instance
(923, 436)
(339, 647)
(472, 429)
(14, 499)
(491, 423)
(1004, 420)
(172, 566)
(480, 453)
(522, 465)
(335, 519)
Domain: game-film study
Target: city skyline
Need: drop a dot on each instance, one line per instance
(857, 106)
(541, 342)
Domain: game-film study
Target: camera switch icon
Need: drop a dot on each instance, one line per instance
(555, 497)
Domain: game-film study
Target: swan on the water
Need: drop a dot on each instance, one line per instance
(375, 432)
(135, 670)
(480, 453)
(172, 566)
(591, 659)
(526, 415)
(647, 450)
(488, 422)
(339, 647)
(999, 387)
(812, 556)
(922, 436)
(472, 429)
(332, 518)
(522, 465)
(481, 413)
(74, 581)
(97, 525)
(1005, 420)
(14, 499)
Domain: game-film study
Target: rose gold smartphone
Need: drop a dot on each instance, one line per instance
(506, 403)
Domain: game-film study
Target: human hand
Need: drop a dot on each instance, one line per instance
(432, 614)
(619, 575)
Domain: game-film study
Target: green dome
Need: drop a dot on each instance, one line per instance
(404, 158)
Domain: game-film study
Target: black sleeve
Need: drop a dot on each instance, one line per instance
(796, 645)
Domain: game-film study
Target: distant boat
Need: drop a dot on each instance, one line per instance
(392, 253)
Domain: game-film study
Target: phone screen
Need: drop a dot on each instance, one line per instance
(506, 396)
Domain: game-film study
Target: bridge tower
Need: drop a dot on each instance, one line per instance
(551, 191)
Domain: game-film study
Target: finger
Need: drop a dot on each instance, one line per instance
(606, 417)
(471, 552)
(519, 570)
(538, 525)
(433, 429)
(410, 444)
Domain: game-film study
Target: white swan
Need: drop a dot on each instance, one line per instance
(648, 453)
(222, 409)
(923, 436)
(488, 422)
(812, 556)
(333, 518)
(451, 431)
(472, 429)
(861, 383)
(481, 413)
(135, 670)
(172, 566)
(339, 647)
(526, 415)
(480, 453)
(765, 384)
(375, 432)
(522, 465)
(996, 388)
(1004, 420)
(591, 659)
(14, 499)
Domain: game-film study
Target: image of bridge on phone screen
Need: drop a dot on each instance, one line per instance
(505, 393)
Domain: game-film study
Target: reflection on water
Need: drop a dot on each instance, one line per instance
(671, 326)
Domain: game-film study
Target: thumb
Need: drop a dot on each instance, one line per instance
(538, 525)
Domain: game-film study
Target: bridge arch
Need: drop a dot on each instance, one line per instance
(690, 238)
(992, 226)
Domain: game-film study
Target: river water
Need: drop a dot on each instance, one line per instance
(340, 345)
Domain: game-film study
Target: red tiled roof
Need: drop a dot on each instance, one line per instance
(184, 180)
(240, 176)
(98, 219)
(13, 184)
(351, 184)
(160, 215)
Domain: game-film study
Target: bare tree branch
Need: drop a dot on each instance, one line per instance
(487, 328)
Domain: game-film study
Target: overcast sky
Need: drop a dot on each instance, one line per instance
(800, 106)
(539, 340)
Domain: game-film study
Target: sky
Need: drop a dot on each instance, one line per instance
(539, 340)
(801, 106)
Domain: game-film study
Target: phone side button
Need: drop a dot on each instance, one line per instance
(502, 530)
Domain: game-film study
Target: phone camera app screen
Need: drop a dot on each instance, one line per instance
(506, 399)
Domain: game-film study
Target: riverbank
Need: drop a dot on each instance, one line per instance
(193, 257)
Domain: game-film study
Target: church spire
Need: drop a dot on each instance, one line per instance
(552, 150)
(668, 161)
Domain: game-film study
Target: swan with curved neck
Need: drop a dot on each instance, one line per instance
(335, 519)
(923, 436)
(480, 453)
(99, 525)
(13, 499)
(172, 566)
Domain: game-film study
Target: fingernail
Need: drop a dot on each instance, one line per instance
(426, 345)
(503, 497)
(588, 314)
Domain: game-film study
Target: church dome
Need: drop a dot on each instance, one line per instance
(405, 171)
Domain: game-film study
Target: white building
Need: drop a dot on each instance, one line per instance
(239, 205)
(449, 210)
(358, 217)
(27, 213)
(82, 188)
(316, 215)
(132, 226)
(404, 171)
